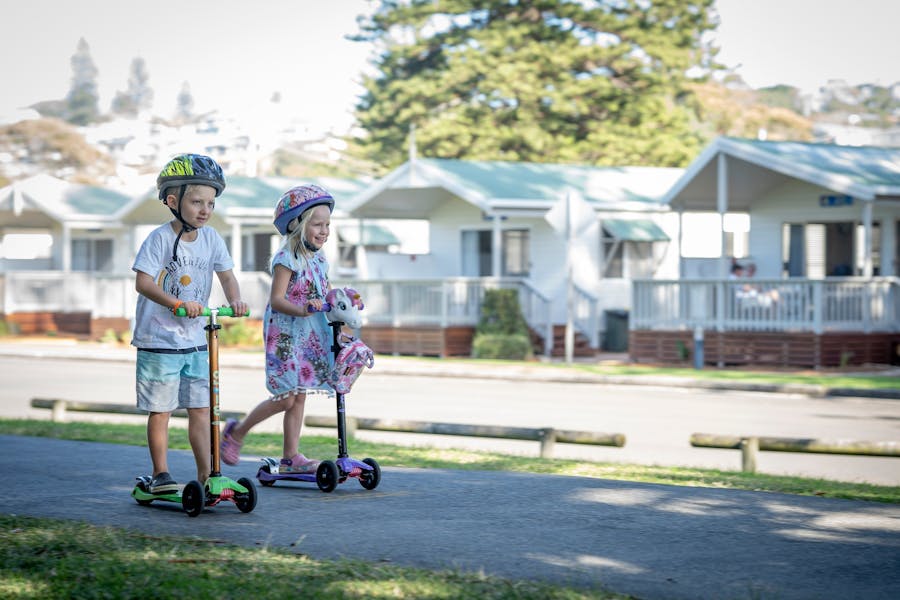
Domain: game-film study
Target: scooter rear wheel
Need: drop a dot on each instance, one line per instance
(327, 476)
(246, 502)
(193, 498)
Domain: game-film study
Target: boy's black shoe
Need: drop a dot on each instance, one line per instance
(163, 484)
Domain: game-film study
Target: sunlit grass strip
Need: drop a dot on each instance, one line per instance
(829, 379)
(392, 455)
(46, 558)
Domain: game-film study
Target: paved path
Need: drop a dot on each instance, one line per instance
(651, 541)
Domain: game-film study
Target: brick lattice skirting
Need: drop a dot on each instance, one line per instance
(780, 349)
(419, 341)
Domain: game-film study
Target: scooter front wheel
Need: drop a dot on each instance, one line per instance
(193, 498)
(370, 479)
(327, 476)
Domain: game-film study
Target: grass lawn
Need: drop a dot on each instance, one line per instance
(46, 558)
(879, 377)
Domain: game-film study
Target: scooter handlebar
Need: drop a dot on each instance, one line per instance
(222, 311)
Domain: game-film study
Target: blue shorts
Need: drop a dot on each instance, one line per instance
(169, 381)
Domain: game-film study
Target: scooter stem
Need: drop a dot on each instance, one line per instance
(212, 334)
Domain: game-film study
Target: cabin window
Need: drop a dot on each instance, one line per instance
(477, 250)
(26, 246)
(613, 264)
(92, 255)
(515, 253)
(818, 250)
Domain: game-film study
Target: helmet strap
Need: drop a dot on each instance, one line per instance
(185, 226)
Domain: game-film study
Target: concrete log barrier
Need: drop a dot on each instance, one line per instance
(807, 445)
(61, 407)
(548, 437)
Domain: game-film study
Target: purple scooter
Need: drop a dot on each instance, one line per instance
(330, 473)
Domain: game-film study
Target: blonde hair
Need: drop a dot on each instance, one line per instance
(295, 241)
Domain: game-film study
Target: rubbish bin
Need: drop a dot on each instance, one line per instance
(615, 338)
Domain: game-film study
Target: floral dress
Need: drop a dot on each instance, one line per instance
(298, 349)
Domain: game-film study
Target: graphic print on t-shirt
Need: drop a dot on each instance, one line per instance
(184, 278)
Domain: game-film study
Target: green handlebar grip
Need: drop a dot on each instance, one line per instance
(223, 311)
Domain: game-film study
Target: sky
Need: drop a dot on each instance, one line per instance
(236, 54)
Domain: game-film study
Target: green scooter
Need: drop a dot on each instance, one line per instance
(196, 496)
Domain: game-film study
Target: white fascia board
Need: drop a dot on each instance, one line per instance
(386, 182)
(435, 177)
(693, 170)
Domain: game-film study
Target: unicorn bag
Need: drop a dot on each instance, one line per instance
(349, 363)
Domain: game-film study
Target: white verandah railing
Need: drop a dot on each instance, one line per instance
(816, 305)
(435, 302)
(454, 301)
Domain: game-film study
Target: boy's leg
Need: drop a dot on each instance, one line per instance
(293, 424)
(199, 436)
(194, 396)
(158, 441)
(156, 386)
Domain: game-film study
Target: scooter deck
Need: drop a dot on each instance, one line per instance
(141, 493)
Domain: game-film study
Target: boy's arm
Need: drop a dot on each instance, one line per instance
(146, 286)
(232, 290)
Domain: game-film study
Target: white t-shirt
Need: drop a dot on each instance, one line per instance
(188, 279)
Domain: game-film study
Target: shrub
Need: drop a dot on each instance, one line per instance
(241, 332)
(501, 345)
(500, 313)
(502, 331)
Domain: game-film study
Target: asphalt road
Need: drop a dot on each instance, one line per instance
(652, 541)
(657, 421)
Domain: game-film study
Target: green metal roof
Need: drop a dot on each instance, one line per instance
(501, 180)
(264, 192)
(871, 166)
(634, 230)
(62, 199)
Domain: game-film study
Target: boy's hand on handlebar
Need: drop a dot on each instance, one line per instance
(192, 309)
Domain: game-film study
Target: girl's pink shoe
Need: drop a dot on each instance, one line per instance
(298, 465)
(231, 449)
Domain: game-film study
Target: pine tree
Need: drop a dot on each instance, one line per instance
(139, 95)
(82, 102)
(595, 82)
(184, 104)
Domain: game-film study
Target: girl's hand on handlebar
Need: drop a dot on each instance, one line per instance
(314, 305)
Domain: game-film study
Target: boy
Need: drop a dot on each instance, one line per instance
(174, 270)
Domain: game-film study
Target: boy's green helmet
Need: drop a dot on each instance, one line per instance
(188, 169)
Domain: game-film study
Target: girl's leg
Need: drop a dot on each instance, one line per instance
(198, 435)
(260, 413)
(293, 424)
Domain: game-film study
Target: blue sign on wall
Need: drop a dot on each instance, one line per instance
(831, 201)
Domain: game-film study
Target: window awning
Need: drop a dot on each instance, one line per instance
(634, 230)
(372, 234)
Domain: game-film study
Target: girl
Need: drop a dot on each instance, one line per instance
(298, 356)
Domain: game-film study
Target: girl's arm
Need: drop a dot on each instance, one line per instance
(280, 280)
